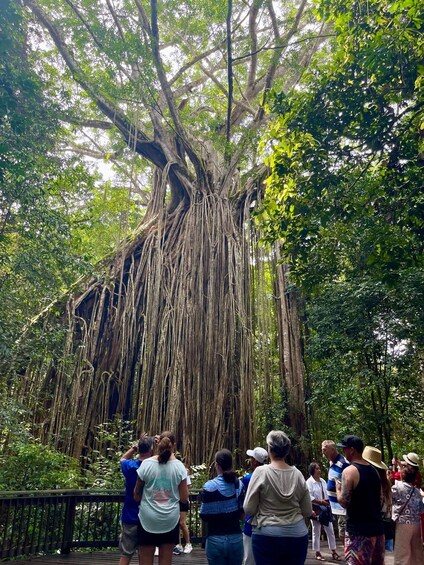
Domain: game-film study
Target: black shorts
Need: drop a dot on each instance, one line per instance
(184, 506)
(148, 538)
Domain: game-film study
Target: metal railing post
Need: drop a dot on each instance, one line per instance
(68, 525)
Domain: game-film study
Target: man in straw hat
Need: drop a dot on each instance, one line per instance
(373, 456)
(359, 492)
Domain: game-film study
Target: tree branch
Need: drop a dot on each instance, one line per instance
(116, 20)
(253, 14)
(170, 98)
(95, 124)
(135, 138)
(190, 64)
(144, 18)
(99, 154)
(222, 88)
(278, 53)
(230, 74)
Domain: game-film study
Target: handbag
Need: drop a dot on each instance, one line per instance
(323, 513)
(325, 516)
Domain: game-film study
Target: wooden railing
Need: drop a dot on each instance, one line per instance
(58, 521)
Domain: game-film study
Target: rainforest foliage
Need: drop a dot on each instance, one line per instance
(345, 198)
(171, 99)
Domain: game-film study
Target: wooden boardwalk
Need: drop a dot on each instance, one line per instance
(197, 557)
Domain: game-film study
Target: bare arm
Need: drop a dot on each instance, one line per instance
(138, 490)
(130, 453)
(350, 479)
(133, 450)
(183, 490)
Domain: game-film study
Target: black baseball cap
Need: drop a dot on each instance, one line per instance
(352, 441)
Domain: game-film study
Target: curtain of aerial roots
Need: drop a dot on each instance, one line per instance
(268, 384)
(164, 340)
(291, 349)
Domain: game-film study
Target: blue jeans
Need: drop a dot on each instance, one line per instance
(269, 550)
(389, 544)
(225, 550)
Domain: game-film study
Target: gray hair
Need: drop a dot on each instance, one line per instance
(329, 443)
(145, 444)
(278, 443)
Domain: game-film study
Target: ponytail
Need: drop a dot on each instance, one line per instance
(165, 447)
(225, 461)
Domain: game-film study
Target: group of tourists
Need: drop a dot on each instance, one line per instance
(373, 505)
(276, 503)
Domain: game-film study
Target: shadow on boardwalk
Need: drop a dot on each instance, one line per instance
(197, 557)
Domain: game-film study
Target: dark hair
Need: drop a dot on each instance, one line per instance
(408, 473)
(312, 467)
(386, 487)
(145, 444)
(165, 445)
(224, 459)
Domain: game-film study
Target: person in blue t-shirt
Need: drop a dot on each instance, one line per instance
(128, 541)
(258, 457)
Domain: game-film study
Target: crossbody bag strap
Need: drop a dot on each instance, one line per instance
(322, 490)
(408, 498)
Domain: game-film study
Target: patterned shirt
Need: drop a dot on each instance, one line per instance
(407, 503)
(335, 472)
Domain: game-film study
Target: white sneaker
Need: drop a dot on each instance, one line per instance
(156, 551)
(188, 548)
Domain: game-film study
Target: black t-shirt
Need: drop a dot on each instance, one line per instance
(363, 515)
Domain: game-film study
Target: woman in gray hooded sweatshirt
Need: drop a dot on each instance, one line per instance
(279, 500)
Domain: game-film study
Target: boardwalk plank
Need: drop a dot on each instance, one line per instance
(197, 557)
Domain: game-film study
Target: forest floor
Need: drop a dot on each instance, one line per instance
(197, 557)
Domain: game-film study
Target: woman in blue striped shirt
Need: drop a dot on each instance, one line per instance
(222, 508)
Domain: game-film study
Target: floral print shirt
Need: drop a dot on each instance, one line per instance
(407, 503)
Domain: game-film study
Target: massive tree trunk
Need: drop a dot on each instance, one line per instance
(164, 339)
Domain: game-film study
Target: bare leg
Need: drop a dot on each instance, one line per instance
(183, 526)
(147, 553)
(165, 554)
(124, 560)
